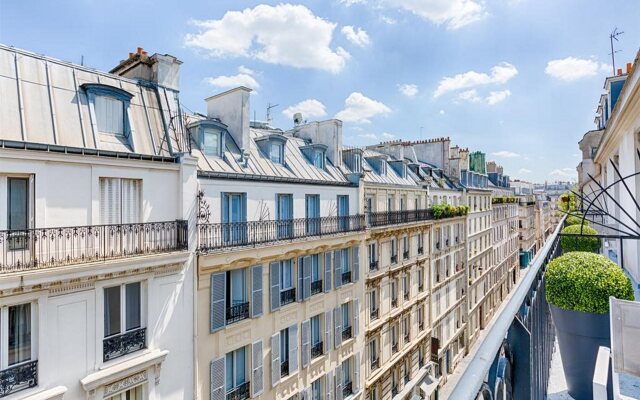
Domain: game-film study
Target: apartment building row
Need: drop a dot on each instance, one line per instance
(157, 254)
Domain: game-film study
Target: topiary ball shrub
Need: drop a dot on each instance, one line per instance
(579, 243)
(575, 220)
(582, 281)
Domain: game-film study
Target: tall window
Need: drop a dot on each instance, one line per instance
(234, 214)
(316, 336)
(343, 211)
(120, 200)
(316, 390)
(284, 352)
(18, 203)
(122, 308)
(236, 368)
(394, 250)
(372, 255)
(18, 335)
(212, 145)
(284, 214)
(236, 287)
(316, 271)
(312, 207)
(390, 203)
(276, 153)
(110, 115)
(319, 159)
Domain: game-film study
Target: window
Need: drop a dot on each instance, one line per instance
(369, 205)
(287, 291)
(131, 394)
(346, 322)
(276, 153)
(284, 352)
(394, 251)
(405, 285)
(346, 377)
(390, 203)
(405, 247)
(373, 354)
(236, 293)
(394, 293)
(318, 159)
(343, 212)
(18, 216)
(235, 369)
(122, 308)
(406, 327)
(316, 389)
(120, 200)
(372, 255)
(373, 304)
(357, 163)
(284, 213)
(110, 115)
(316, 337)
(212, 145)
(18, 334)
(312, 210)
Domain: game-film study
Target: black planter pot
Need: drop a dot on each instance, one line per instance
(579, 336)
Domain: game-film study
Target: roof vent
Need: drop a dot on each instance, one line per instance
(297, 119)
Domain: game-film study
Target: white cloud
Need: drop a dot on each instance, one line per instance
(524, 171)
(497, 97)
(470, 96)
(505, 154)
(388, 136)
(349, 3)
(388, 20)
(408, 89)
(284, 34)
(571, 68)
(368, 136)
(563, 173)
(359, 108)
(441, 112)
(500, 74)
(308, 108)
(452, 13)
(243, 78)
(357, 36)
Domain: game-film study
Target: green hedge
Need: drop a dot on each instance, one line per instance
(575, 220)
(579, 243)
(584, 281)
(448, 211)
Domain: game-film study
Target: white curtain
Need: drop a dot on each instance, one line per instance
(19, 333)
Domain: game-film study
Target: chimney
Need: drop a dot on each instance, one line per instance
(328, 133)
(628, 68)
(619, 71)
(232, 109)
(161, 69)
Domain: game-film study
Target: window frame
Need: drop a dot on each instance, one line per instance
(123, 307)
(92, 91)
(4, 331)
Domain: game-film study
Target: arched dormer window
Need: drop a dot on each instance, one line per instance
(109, 107)
(273, 146)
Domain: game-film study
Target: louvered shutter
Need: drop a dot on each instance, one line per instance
(328, 327)
(386, 337)
(256, 291)
(355, 263)
(329, 385)
(293, 349)
(305, 338)
(110, 201)
(337, 269)
(131, 189)
(307, 277)
(356, 373)
(216, 379)
(275, 359)
(338, 382)
(257, 371)
(218, 295)
(327, 271)
(356, 317)
(337, 318)
(274, 290)
(300, 291)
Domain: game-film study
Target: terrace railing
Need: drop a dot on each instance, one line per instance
(54, 247)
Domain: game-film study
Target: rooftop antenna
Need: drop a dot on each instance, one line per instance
(614, 36)
(269, 107)
(82, 60)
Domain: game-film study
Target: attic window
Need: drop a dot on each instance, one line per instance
(110, 115)
(319, 159)
(383, 168)
(211, 142)
(276, 152)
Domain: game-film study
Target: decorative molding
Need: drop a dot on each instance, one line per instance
(126, 383)
(317, 307)
(70, 287)
(243, 336)
(289, 317)
(204, 211)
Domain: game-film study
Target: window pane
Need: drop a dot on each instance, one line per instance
(19, 333)
(286, 275)
(132, 304)
(315, 268)
(240, 366)
(109, 115)
(229, 371)
(238, 289)
(111, 311)
(284, 345)
(211, 143)
(345, 316)
(275, 153)
(18, 188)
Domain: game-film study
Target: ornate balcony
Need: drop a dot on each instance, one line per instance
(39, 248)
(316, 287)
(240, 392)
(18, 377)
(386, 218)
(374, 314)
(346, 277)
(123, 344)
(284, 368)
(347, 333)
(373, 265)
(221, 236)
(237, 312)
(394, 259)
(317, 350)
(287, 296)
(347, 389)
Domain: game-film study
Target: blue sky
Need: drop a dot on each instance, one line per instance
(517, 79)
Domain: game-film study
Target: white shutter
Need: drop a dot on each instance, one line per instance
(328, 383)
(305, 338)
(327, 271)
(257, 372)
(338, 379)
(275, 359)
(356, 317)
(216, 379)
(328, 327)
(110, 201)
(131, 189)
(293, 349)
(337, 317)
(306, 283)
(256, 291)
(356, 373)
(217, 302)
(274, 278)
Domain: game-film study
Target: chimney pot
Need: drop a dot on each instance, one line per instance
(131, 55)
(619, 71)
(139, 50)
(628, 68)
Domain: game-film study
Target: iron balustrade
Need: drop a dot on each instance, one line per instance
(124, 343)
(394, 259)
(405, 255)
(347, 389)
(316, 287)
(394, 347)
(317, 350)
(240, 392)
(375, 364)
(284, 368)
(373, 265)
(394, 302)
(18, 377)
(237, 312)
(385, 218)
(38, 248)
(219, 236)
(406, 295)
(421, 250)
(287, 296)
(346, 277)
(407, 379)
(394, 390)
(347, 333)
(374, 314)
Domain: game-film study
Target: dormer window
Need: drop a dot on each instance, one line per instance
(209, 134)
(211, 142)
(383, 168)
(276, 152)
(318, 159)
(357, 163)
(109, 106)
(110, 115)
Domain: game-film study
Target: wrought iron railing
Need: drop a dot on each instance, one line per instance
(18, 377)
(394, 259)
(284, 368)
(373, 265)
(374, 314)
(347, 333)
(316, 287)
(394, 302)
(347, 389)
(237, 312)
(394, 390)
(317, 350)
(240, 392)
(219, 236)
(287, 296)
(405, 255)
(375, 364)
(346, 277)
(53, 247)
(384, 218)
(420, 250)
(123, 344)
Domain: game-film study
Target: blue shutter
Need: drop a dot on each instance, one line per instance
(274, 290)
(256, 291)
(293, 349)
(356, 317)
(299, 290)
(337, 269)
(305, 339)
(337, 319)
(327, 271)
(328, 327)
(217, 379)
(306, 283)
(275, 359)
(218, 306)
(257, 370)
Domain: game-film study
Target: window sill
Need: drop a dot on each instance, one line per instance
(37, 393)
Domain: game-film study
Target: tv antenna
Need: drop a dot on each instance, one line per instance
(269, 107)
(614, 36)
